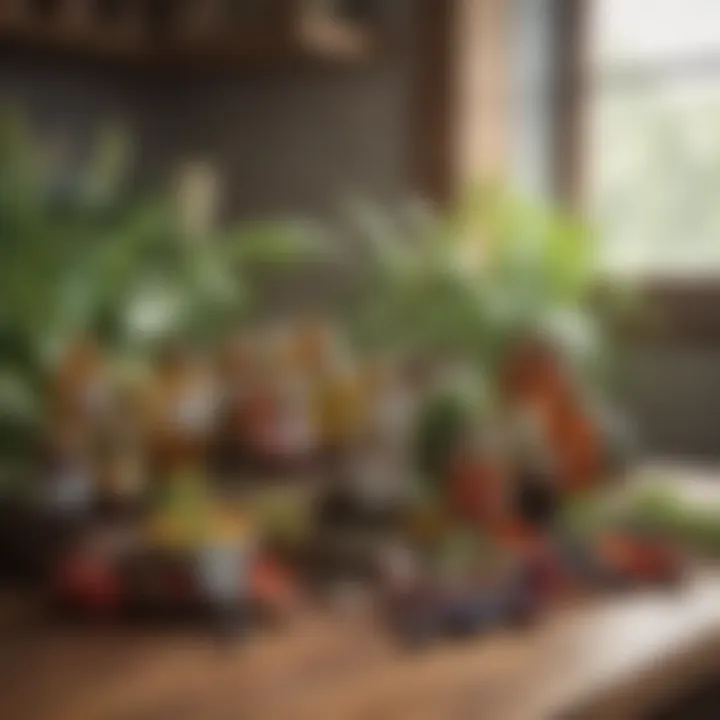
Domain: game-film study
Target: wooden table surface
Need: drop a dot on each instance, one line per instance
(615, 658)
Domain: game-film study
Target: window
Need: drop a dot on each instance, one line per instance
(532, 68)
(654, 135)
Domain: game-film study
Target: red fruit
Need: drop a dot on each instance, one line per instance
(514, 534)
(656, 562)
(476, 491)
(643, 560)
(534, 373)
(270, 584)
(91, 583)
(577, 445)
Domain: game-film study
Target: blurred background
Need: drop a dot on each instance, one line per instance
(253, 238)
(417, 110)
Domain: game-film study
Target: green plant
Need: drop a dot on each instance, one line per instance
(659, 510)
(82, 254)
(469, 284)
(668, 513)
(444, 420)
(90, 256)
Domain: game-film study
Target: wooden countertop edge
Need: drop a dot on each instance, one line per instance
(649, 687)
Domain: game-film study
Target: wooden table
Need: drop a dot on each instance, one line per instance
(612, 660)
(615, 658)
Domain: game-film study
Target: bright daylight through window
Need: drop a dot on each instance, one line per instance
(654, 135)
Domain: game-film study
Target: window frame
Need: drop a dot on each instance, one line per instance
(687, 309)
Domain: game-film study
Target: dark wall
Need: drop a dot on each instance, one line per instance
(673, 395)
(67, 101)
(298, 138)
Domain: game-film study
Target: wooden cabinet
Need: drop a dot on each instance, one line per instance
(181, 32)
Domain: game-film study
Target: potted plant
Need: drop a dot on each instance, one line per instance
(85, 256)
(470, 294)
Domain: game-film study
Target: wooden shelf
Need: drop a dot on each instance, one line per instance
(334, 39)
(73, 29)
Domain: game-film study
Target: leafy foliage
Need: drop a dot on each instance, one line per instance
(468, 284)
(81, 254)
(444, 420)
(94, 258)
(657, 509)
